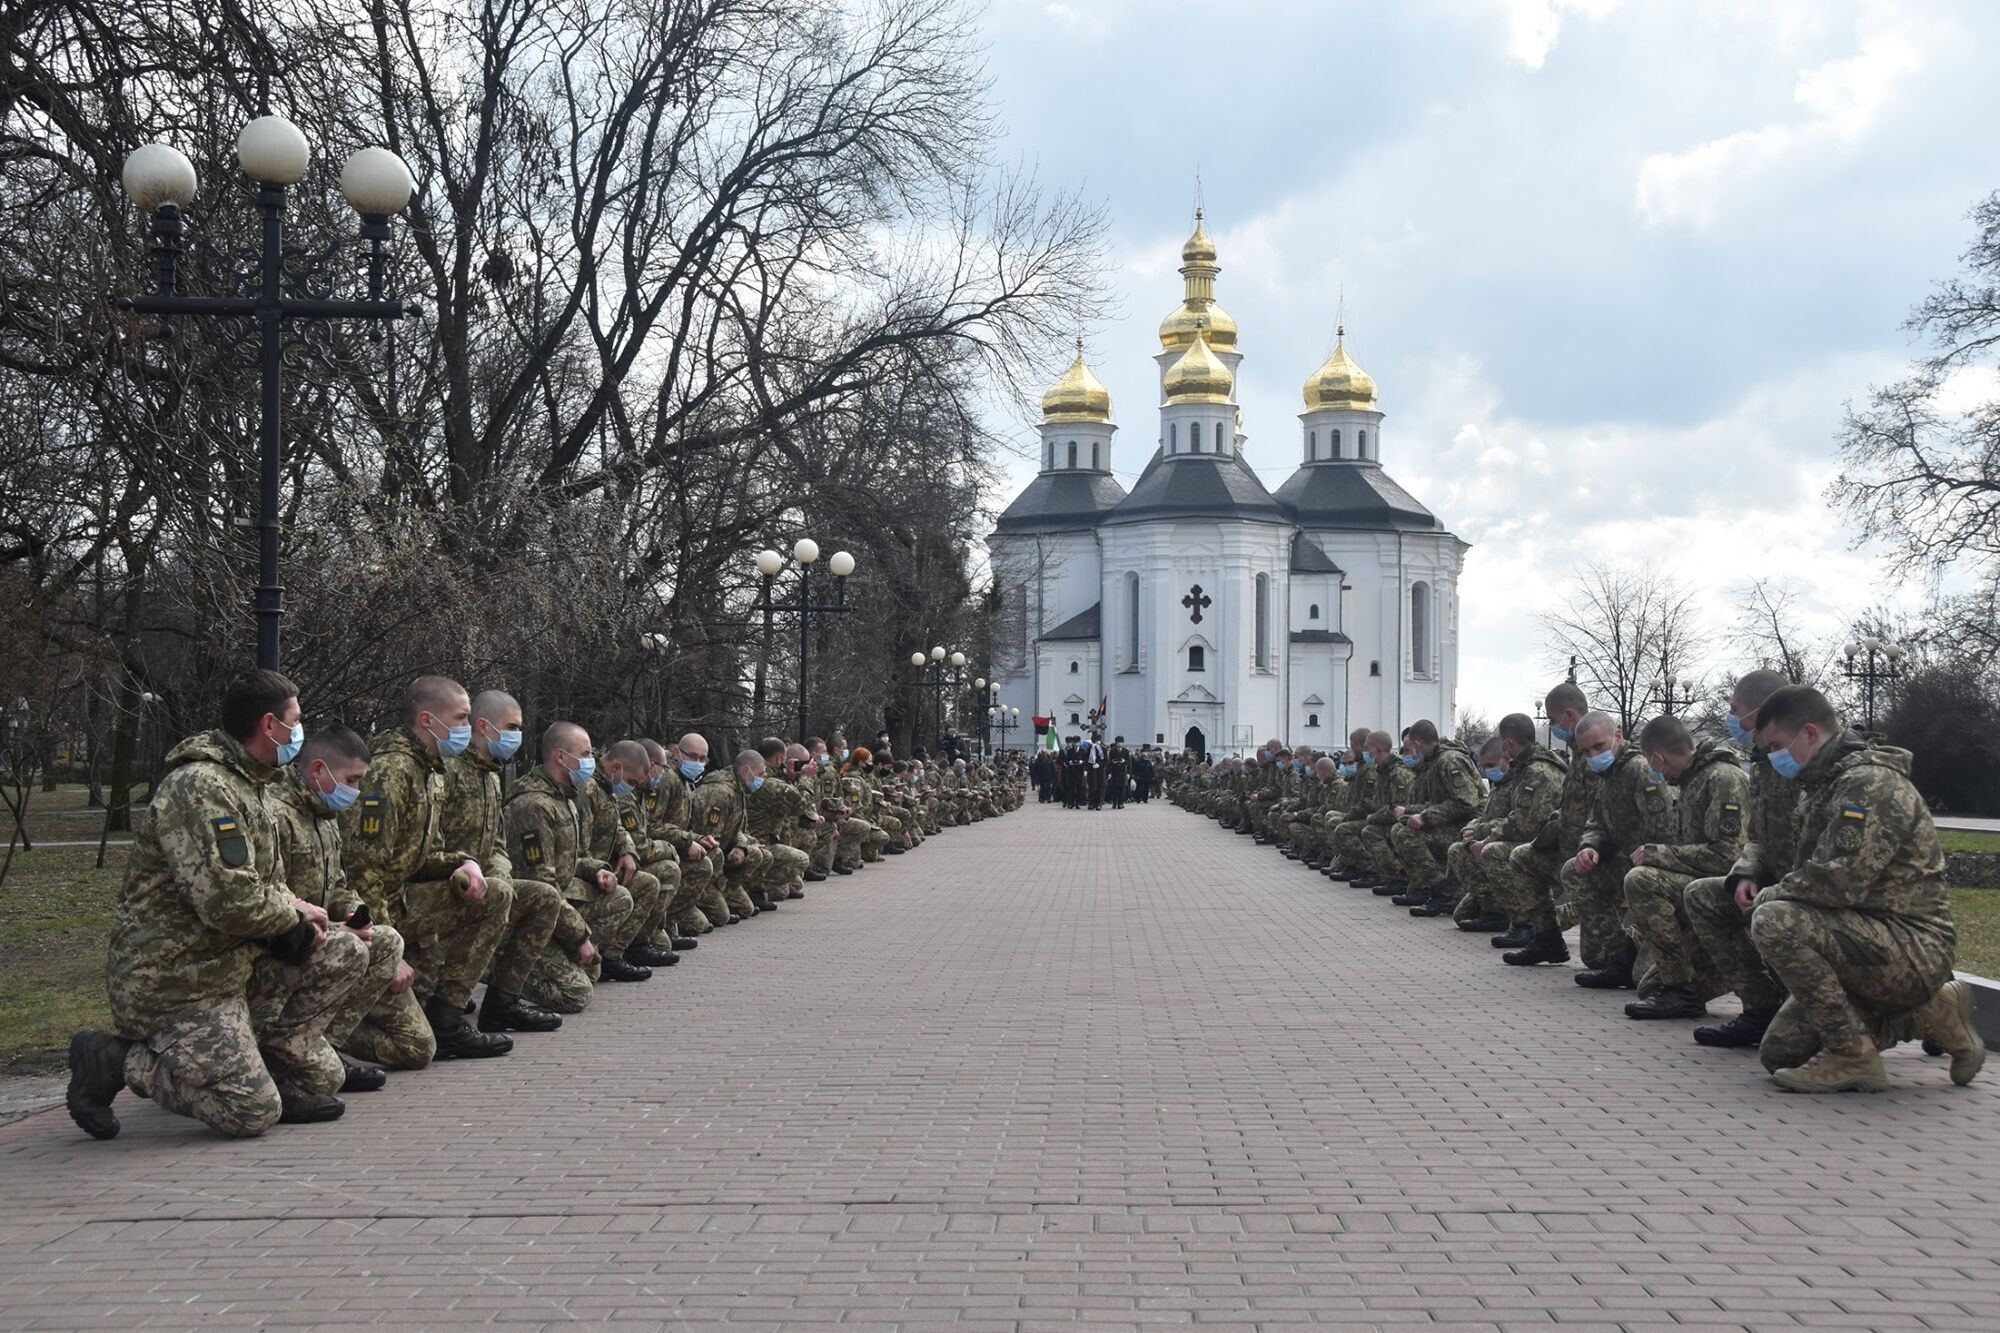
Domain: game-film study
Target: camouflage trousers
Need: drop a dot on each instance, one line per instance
(1598, 899)
(644, 891)
(1657, 924)
(1420, 853)
(1346, 840)
(1849, 973)
(674, 900)
(449, 940)
(231, 1065)
(1723, 931)
(1523, 885)
(375, 1023)
(855, 836)
(530, 922)
(827, 847)
(786, 877)
(556, 981)
(1379, 853)
(1477, 877)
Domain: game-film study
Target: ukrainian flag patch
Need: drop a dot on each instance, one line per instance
(1854, 812)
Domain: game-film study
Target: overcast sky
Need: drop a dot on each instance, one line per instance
(1615, 265)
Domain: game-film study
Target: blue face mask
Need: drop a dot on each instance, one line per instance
(1737, 731)
(455, 740)
(1561, 733)
(341, 797)
(757, 782)
(1659, 778)
(1412, 760)
(1784, 765)
(290, 749)
(504, 745)
(1601, 763)
(586, 769)
(692, 769)
(621, 789)
(1367, 761)
(1348, 770)
(656, 779)
(1495, 774)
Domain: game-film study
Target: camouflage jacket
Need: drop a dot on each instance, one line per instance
(609, 821)
(1866, 838)
(1632, 808)
(204, 882)
(1708, 815)
(1448, 789)
(470, 817)
(1363, 792)
(1499, 800)
(309, 841)
(719, 809)
(1772, 847)
(393, 835)
(1395, 784)
(1579, 800)
(773, 810)
(668, 811)
(545, 835)
(1537, 781)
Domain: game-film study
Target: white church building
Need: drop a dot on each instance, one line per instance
(1201, 609)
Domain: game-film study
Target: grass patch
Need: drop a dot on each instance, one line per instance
(1968, 840)
(55, 921)
(1976, 913)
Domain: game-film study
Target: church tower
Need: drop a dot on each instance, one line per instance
(1076, 421)
(1340, 420)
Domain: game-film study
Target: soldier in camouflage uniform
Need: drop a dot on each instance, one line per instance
(1474, 912)
(221, 982)
(394, 1034)
(670, 852)
(842, 853)
(1395, 783)
(545, 837)
(393, 847)
(1365, 797)
(1768, 854)
(769, 813)
(471, 819)
(809, 831)
(608, 805)
(720, 806)
(689, 763)
(1633, 808)
(1709, 831)
(1526, 884)
(1860, 930)
(1447, 792)
(1530, 833)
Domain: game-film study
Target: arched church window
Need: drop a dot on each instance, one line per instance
(1197, 659)
(1361, 443)
(1312, 612)
(1312, 446)
(1194, 437)
(1173, 435)
(1263, 622)
(1312, 719)
(1420, 629)
(1094, 447)
(1334, 440)
(1131, 620)
(1075, 666)
(1049, 454)
(1073, 719)
(1072, 453)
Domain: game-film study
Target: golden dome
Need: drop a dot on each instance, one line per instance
(1078, 396)
(1198, 311)
(1199, 376)
(1340, 384)
(1198, 249)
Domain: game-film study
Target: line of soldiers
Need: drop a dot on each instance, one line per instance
(302, 915)
(1795, 865)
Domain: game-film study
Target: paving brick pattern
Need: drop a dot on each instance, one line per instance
(1060, 1068)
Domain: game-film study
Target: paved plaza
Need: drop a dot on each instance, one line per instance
(1116, 1068)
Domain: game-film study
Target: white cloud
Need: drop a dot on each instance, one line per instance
(1843, 100)
(1533, 25)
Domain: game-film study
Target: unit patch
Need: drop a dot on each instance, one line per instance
(531, 848)
(371, 817)
(230, 844)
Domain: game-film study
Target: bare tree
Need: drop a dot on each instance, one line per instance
(1628, 628)
(1770, 633)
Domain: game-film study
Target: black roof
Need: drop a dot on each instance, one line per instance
(1082, 625)
(1319, 636)
(1352, 495)
(1060, 501)
(1197, 486)
(1308, 557)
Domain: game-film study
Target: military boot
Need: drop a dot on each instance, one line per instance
(458, 1039)
(1516, 936)
(617, 969)
(1615, 974)
(1546, 947)
(1438, 903)
(1946, 1019)
(309, 1108)
(813, 876)
(1487, 923)
(683, 943)
(499, 1012)
(96, 1077)
(1746, 1029)
(1411, 896)
(1856, 1069)
(1389, 888)
(1676, 1001)
(644, 954)
(362, 1075)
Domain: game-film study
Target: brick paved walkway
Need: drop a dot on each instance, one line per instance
(1059, 1067)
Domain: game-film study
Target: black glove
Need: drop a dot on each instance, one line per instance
(296, 944)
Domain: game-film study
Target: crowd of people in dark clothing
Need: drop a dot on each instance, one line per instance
(1087, 774)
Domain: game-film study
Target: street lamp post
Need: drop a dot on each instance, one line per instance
(940, 669)
(805, 553)
(1878, 661)
(274, 152)
(1003, 720)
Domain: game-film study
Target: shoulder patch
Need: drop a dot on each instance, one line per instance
(629, 818)
(230, 844)
(531, 847)
(714, 818)
(1851, 811)
(371, 817)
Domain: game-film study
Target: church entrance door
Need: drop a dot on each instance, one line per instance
(1195, 743)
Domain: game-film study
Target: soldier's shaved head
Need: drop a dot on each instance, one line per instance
(500, 708)
(1357, 737)
(1794, 707)
(693, 745)
(772, 748)
(1382, 739)
(1424, 732)
(1518, 728)
(631, 754)
(565, 736)
(1564, 698)
(1753, 688)
(749, 763)
(333, 744)
(1491, 748)
(435, 695)
(1594, 729)
(656, 753)
(1323, 767)
(1666, 734)
(797, 752)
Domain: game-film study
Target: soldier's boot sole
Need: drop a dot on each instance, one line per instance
(1837, 1071)
(1947, 1019)
(1549, 949)
(313, 1109)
